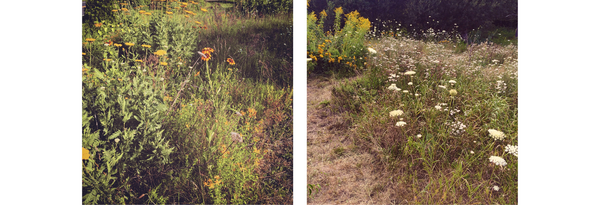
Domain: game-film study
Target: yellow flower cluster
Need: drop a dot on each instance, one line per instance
(164, 63)
(146, 46)
(210, 184)
(160, 52)
(251, 112)
(118, 44)
(323, 14)
(129, 44)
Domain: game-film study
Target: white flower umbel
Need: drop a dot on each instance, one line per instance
(441, 86)
(419, 136)
(437, 107)
(400, 124)
(497, 135)
(496, 188)
(308, 59)
(512, 150)
(396, 113)
(410, 83)
(452, 82)
(405, 91)
(497, 160)
(410, 72)
(393, 87)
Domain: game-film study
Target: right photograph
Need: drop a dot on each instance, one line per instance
(412, 102)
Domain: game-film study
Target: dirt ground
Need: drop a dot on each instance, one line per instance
(347, 174)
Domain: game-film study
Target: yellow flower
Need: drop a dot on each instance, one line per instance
(142, 11)
(129, 44)
(203, 9)
(107, 59)
(83, 53)
(148, 13)
(197, 74)
(198, 22)
(114, 10)
(230, 61)
(323, 13)
(164, 63)
(118, 45)
(187, 16)
(138, 61)
(217, 177)
(85, 153)
(257, 151)
(169, 13)
(90, 39)
(146, 46)
(98, 24)
(160, 52)
(124, 9)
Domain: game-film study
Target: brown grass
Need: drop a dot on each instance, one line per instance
(345, 173)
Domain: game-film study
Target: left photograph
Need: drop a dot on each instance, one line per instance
(187, 102)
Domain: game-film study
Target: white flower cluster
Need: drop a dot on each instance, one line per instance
(452, 112)
(372, 51)
(497, 135)
(501, 86)
(457, 128)
(396, 113)
(512, 149)
(393, 87)
(400, 124)
(497, 160)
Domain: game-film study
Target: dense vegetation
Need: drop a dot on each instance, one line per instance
(186, 102)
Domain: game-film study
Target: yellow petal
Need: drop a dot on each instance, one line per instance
(86, 153)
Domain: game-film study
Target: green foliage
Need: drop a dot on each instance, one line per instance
(97, 11)
(266, 6)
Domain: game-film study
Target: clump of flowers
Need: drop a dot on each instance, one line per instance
(146, 46)
(501, 86)
(396, 113)
(512, 149)
(206, 53)
(457, 128)
(129, 44)
(497, 135)
(497, 160)
(410, 72)
(372, 51)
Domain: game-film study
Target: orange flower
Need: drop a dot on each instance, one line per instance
(230, 61)
(206, 53)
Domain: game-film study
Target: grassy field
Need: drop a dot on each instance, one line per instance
(439, 115)
(187, 102)
(445, 122)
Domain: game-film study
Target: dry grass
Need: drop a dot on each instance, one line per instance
(345, 173)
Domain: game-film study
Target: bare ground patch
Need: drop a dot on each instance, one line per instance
(345, 172)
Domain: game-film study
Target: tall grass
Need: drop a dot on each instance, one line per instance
(172, 113)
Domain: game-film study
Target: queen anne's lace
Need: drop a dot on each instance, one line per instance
(497, 160)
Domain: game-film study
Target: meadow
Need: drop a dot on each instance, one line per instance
(186, 102)
(439, 115)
